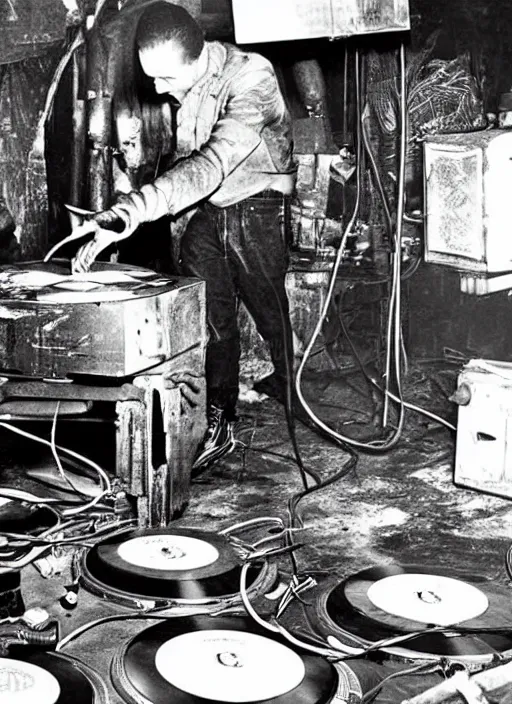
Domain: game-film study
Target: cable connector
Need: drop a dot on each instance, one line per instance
(69, 600)
(36, 618)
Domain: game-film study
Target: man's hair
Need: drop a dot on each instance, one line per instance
(162, 22)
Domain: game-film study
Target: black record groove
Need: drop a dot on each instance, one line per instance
(343, 609)
(78, 683)
(138, 680)
(106, 569)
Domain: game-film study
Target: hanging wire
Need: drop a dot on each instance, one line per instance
(99, 470)
(393, 370)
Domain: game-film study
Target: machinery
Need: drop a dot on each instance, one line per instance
(112, 346)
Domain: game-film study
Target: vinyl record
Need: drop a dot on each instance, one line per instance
(384, 602)
(179, 565)
(48, 678)
(222, 660)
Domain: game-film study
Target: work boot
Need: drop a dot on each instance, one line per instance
(219, 440)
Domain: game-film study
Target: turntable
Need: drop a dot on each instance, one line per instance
(49, 678)
(170, 567)
(432, 613)
(225, 659)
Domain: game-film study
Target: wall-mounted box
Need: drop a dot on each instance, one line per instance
(283, 20)
(467, 183)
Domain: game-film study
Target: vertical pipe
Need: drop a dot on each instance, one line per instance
(79, 130)
(99, 123)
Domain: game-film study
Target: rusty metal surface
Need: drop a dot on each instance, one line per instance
(114, 338)
(29, 27)
(49, 390)
(23, 87)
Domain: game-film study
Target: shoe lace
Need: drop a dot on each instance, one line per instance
(214, 416)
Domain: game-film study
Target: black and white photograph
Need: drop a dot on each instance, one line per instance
(255, 352)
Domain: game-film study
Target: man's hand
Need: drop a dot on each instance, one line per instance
(191, 386)
(112, 225)
(89, 252)
(106, 228)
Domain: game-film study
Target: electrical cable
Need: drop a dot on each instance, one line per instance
(109, 619)
(74, 511)
(408, 405)
(395, 322)
(319, 482)
(377, 445)
(56, 454)
(423, 669)
(293, 502)
(394, 312)
(25, 496)
(417, 409)
(334, 650)
(99, 470)
(273, 521)
(290, 419)
(413, 268)
(355, 353)
(382, 193)
(47, 543)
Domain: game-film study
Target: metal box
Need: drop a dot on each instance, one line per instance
(283, 20)
(120, 334)
(483, 458)
(467, 179)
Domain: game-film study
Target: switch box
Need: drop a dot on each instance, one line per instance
(483, 458)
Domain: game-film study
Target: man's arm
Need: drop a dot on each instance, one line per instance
(255, 102)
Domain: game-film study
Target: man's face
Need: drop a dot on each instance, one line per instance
(171, 74)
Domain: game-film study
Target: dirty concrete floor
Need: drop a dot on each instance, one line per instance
(399, 507)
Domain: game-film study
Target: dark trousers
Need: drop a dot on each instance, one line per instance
(242, 253)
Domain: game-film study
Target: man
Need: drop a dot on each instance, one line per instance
(232, 165)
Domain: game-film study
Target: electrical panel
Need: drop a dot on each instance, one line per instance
(283, 20)
(467, 181)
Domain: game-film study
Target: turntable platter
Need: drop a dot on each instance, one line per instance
(222, 660)
(23, 683)
(41, 677)
(387, 602)
(187, 566)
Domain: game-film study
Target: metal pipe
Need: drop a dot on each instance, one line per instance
(99, 124)
(79, 130)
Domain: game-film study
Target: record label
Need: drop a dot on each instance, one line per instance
(427, 598)
(235, 666)
(168, 552)
(24, 683)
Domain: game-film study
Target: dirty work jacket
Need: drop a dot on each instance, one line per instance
(233, 140)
